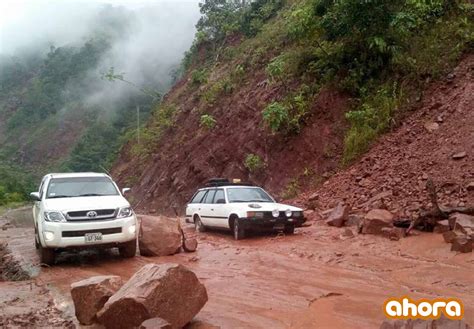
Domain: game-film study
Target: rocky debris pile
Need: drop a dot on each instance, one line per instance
(442, 322)
(392, 175)
(376, 221)
(90, 295)
(168, 291)
(162, 236)
(157, 296)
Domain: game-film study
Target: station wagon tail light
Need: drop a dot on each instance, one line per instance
(254, 214)
(125, 212)
(54, 216)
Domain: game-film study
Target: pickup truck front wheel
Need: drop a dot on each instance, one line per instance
(128, 249)
(239, 232)
(47, 255)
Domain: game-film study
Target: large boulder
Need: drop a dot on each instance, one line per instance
(168, 291)
(90, 295)
(159, 236)
(338, 216)
(462, 223)
(461, 244)
(375, 220)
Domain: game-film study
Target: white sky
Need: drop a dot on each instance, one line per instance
(22, 21)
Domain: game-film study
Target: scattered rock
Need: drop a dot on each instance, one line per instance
(347, 233)
(159, 236)
(459, 155)
(190, 245)
(431, 126)
(375, 220)
(470, 186)
(90, 295)
(393, 233)
(441, 226)
(338, 216)
(313, 197)
(462, 244)
(169, 291)
(354, 220)
(155, 323)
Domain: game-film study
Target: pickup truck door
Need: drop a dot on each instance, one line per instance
(219, 210)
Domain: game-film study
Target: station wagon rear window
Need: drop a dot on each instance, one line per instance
(198, 197)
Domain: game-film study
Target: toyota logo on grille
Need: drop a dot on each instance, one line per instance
(91, 214)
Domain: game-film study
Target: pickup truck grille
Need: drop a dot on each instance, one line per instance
(104, 231)
(87, 215)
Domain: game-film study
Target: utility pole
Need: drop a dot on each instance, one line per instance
(138, 125)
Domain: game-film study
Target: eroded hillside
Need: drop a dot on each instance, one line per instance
(294, 102)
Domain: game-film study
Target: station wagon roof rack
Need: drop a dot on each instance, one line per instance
(214, 182)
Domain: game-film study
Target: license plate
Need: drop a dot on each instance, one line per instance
(279, 227)
(93, 237)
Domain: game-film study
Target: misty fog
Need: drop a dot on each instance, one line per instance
(147, 46)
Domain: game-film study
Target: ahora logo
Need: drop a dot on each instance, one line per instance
(406, 308)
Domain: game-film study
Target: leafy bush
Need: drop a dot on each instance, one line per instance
(371, 119)
(275, 116)
(276, 68)
(216, 89)
(199, 77)
(207, 121)
(254, 163)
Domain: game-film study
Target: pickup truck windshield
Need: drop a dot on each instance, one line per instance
(80, 187)
(247, 194)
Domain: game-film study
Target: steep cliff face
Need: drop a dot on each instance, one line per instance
(289, 106)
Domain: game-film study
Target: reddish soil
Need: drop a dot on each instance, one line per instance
(314, 279)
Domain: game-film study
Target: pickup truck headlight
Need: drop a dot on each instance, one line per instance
(54, 216)
(125, 212)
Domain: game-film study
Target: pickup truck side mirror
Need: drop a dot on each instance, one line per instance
(35, 196)
(126, 190)
(221, 201)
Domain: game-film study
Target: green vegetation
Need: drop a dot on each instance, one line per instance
(207, 121)
(14, 185)
(379, 52)
(254, 163)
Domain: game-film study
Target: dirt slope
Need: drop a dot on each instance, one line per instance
(188, 155)
(397, 167)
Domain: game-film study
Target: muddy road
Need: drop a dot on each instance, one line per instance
(315, 279)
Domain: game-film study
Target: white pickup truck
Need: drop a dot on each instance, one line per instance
(77, 210)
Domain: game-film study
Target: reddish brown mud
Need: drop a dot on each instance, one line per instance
(314, 279)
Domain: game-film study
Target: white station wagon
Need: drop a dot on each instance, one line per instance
(240, 208)
(80, 210)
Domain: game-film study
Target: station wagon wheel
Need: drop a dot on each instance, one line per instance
(289, 229)
(199, 225)
(239, 232)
